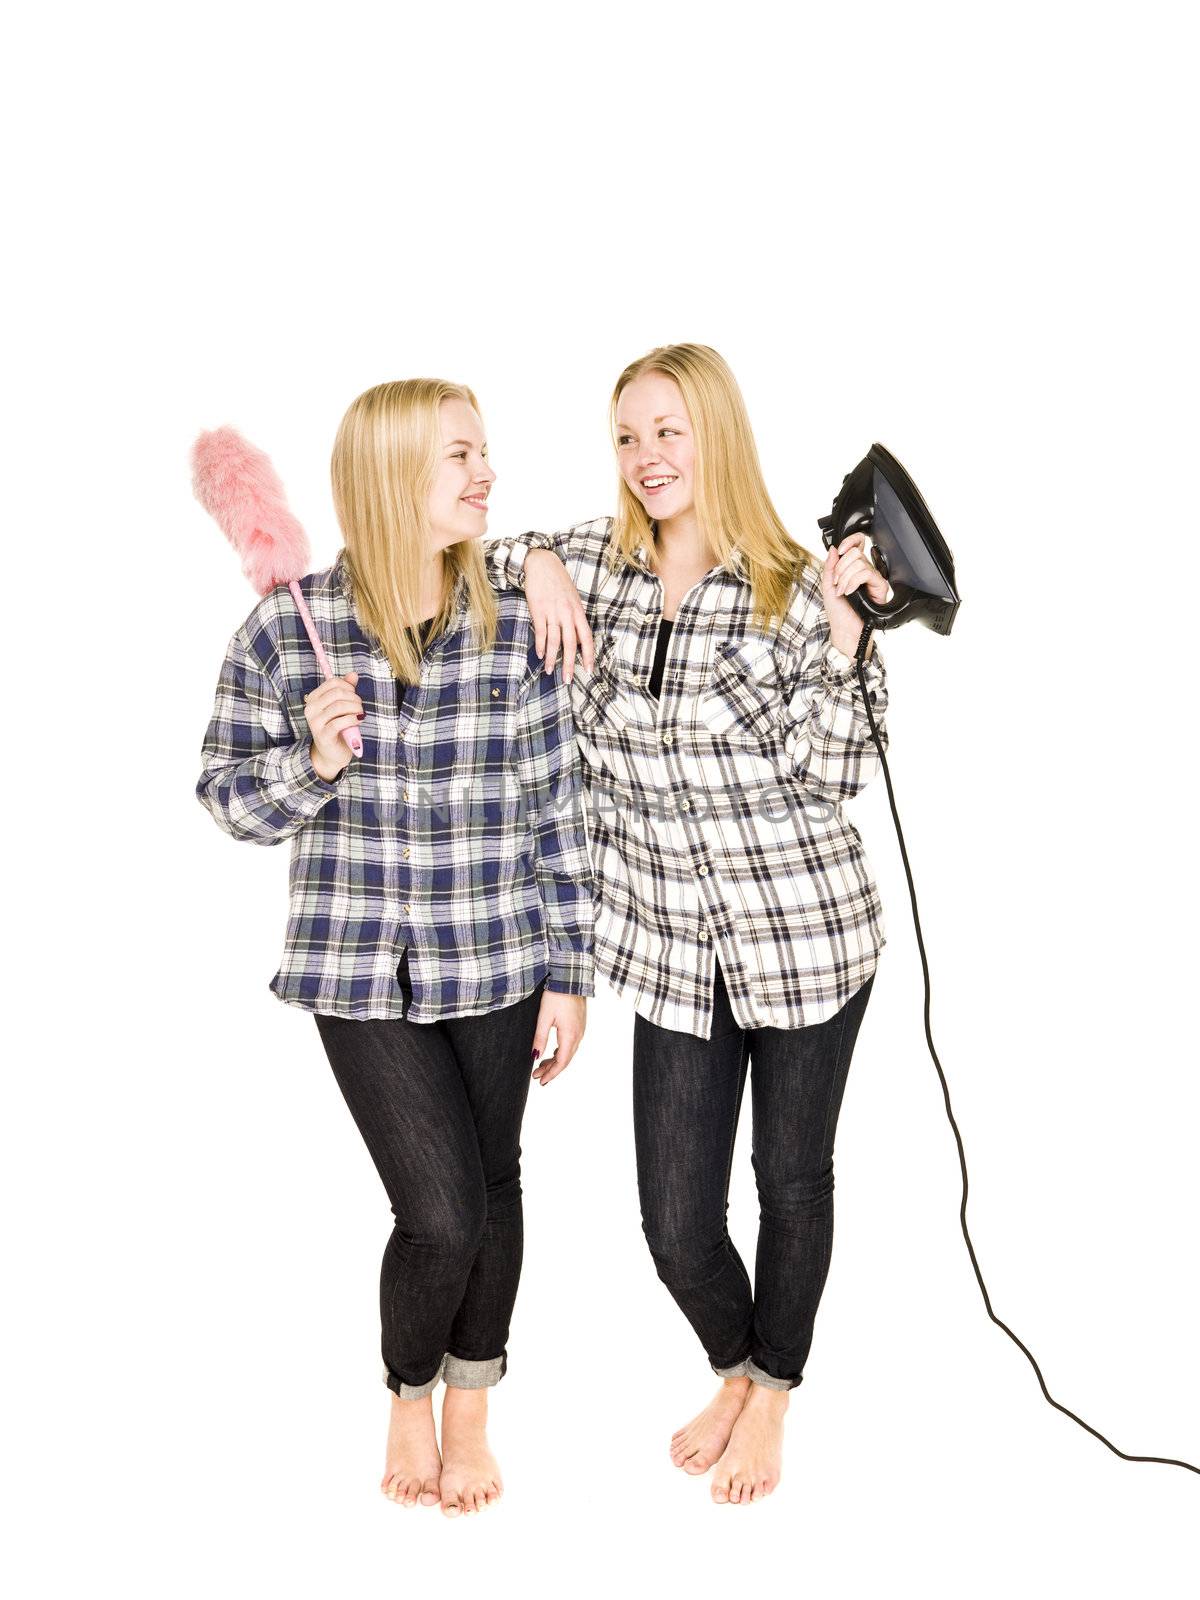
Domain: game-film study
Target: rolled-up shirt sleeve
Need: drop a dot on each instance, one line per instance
(504, 559)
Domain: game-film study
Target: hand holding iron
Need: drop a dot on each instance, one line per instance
(330, 709)
(847, 568)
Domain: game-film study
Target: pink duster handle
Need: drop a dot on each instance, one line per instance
(351, 735)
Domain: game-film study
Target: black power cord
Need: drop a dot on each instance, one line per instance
(1166, 1461)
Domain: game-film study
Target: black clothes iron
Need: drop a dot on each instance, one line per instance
(880, 500)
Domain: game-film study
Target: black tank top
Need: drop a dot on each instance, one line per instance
(660, 657)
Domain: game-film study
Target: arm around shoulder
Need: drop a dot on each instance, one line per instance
(505, 558)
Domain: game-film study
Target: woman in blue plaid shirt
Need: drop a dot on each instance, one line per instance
(440, 901)
(722, 725)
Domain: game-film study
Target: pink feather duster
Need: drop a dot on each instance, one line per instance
(237, 485)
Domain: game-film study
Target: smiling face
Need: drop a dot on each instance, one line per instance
(458, 498)
(656, 449)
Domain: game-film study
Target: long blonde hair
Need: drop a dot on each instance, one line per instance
(385, 458)
(732, 504)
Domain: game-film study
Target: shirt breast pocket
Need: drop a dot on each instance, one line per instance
(486, 719)
(598, 697)
(742, 701)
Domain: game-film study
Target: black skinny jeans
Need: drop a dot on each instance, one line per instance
(687, 1094)
(439, 1106)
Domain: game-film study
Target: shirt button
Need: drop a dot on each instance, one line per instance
(495, 694)
(667, 739)
(701, 869)
(685, 805)
(407, 852)
(407, 908)
(405, 794)
(702, 936)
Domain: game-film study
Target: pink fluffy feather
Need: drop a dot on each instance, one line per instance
(238, 486)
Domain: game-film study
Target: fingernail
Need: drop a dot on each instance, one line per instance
(361, 715)
(535, 1054)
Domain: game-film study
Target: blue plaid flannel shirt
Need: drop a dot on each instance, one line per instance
(458, 835)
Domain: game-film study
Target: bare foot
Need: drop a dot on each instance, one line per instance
(753, 1460)
(413, 1463)
(697, 1446)
(470, 1477)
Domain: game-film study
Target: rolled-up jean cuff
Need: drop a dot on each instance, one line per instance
(413, 1391)
(462, 1374)
(766, 1380)
(731, 1372)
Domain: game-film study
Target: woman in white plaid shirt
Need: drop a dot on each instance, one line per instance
(440, 897)
(722, 725)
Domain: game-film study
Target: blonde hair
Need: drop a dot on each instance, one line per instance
(732, 504)
(385, 458)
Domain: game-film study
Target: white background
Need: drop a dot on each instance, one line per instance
(961, 231)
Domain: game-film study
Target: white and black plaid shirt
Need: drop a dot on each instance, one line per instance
(715, 813)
